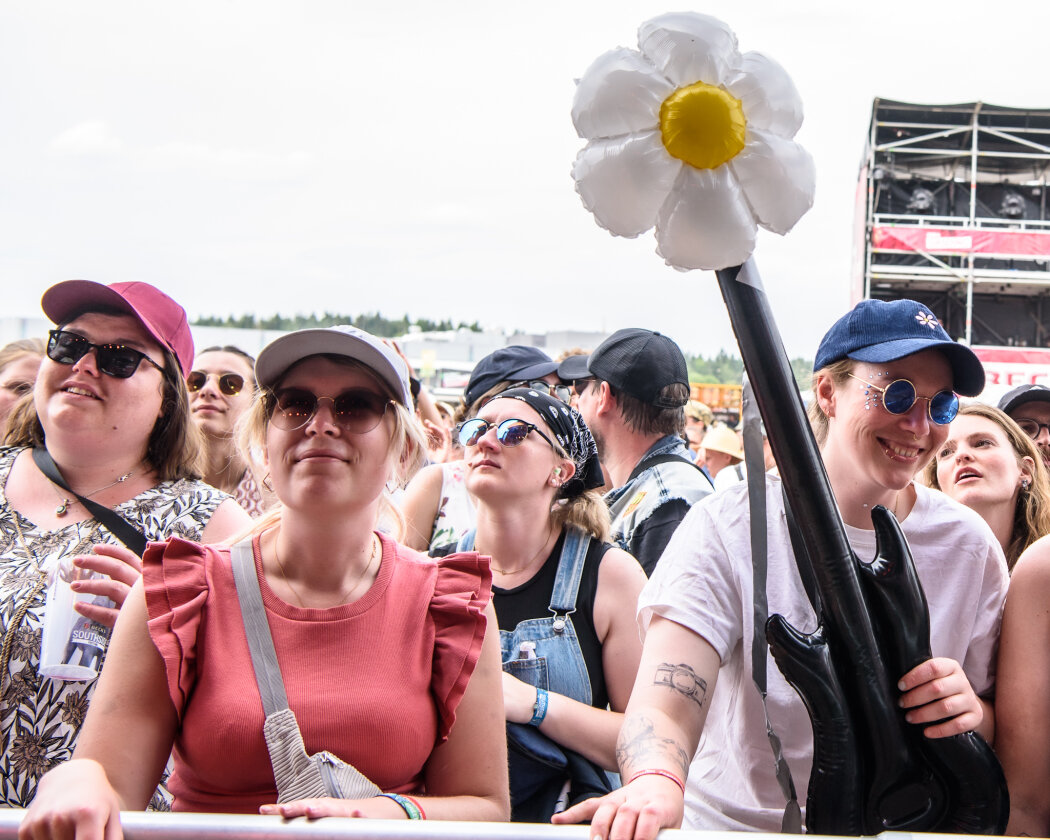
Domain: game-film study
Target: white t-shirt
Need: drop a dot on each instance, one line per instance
(704, 582)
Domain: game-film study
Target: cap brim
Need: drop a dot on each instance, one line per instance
(278, 356)
(1030, 395)
(967, 370)
(537, 370)
(574, 367)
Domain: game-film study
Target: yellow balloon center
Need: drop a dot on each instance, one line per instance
(702, 125)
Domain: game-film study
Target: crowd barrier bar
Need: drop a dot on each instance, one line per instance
(160, 826)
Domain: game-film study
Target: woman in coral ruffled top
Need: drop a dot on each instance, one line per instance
(390, 660)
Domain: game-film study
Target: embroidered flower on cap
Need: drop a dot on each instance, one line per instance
(927, 320)
(688, 135)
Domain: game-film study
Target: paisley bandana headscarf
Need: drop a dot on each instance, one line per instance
(568, 428)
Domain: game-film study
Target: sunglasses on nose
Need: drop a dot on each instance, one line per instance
(229, 383)
(116, 360)
(899, 396)
(357, 410)
(509, 433)
(557, 390)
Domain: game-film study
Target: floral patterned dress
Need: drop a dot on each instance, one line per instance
(40, 717)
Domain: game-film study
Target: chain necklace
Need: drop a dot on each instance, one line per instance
(35, 590)
(535, 557)
(64, 503)
(343, 596)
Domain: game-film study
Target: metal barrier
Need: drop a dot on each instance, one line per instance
(159, 826)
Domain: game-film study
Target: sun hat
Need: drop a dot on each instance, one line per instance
(1023, 394)
(723, 439)
(344, 340)
(515, 363)
(884, 331)
(159, 315)
(641, 363)
(699, 411)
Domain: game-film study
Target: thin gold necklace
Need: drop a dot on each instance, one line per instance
(536, 556)
(343, 597)
(64, 503)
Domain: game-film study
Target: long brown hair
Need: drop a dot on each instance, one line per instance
(1032, 513)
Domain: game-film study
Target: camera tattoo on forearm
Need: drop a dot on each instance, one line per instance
(683, 679)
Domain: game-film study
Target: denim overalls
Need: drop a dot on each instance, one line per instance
(544, 652)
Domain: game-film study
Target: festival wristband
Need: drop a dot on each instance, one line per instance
(657, 771)
(408, 805)
(539, 708)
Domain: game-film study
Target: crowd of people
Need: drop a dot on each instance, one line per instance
(331, 595)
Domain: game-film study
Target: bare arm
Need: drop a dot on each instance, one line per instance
(590, 731)
(229, 519)
(420, 506)
(123, 746)
(1023, 693)
(661, 731)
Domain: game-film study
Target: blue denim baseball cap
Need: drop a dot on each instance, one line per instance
(887, 330)
(515, 363)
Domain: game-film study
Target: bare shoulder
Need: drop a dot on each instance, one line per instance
(427, 481)
(1033, 567)
(620, 573)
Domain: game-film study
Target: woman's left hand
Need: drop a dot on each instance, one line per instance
(121, 566)
(519, 699)
(937, 691)
(375, 807)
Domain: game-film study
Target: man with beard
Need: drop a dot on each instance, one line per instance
(632, 393)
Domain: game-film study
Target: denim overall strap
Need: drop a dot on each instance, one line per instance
(466, 542)
(570, 572)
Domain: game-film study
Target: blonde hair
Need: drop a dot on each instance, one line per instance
(407, 448)
(839, 372)
(1032, 514)
(586, 511)
(20, 348)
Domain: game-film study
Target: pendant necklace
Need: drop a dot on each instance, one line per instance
(343, 596)
(64, 503)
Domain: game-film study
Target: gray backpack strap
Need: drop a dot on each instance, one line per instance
(756, 496)
(256, 628)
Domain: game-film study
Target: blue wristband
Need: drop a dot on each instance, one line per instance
(539, 708)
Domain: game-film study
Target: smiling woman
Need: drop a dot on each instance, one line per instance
(108, 425)
(341, 602)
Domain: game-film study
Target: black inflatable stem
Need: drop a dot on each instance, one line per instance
(872, 771)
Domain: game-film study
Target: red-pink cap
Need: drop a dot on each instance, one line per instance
(162, 317)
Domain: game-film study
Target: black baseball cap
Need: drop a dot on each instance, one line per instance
(1023, 394)
(641, 363)
(573, 368)
(515, 363)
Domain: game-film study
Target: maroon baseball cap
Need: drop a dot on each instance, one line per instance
(162, 317)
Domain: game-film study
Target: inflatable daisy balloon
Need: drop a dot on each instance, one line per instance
(690, 136)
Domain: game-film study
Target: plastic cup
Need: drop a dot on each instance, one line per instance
(72, 646)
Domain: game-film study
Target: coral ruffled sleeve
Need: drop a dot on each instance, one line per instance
(461, 592)
(175, 577)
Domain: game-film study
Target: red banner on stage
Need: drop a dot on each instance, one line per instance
(958, 240)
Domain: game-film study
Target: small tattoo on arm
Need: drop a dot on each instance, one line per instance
(638, 746)
(683, 679)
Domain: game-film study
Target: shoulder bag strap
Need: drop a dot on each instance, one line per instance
(756, 496)
(117, 525)
(256, 628)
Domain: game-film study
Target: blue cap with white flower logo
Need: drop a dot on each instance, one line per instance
(887, 330)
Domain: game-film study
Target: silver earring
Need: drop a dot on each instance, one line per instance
(1025, 484)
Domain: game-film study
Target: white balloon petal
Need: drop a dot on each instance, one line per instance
(705, 222)
(778, 178)
(688, 47)
(619, 93)
(624, 181)
(769, 97)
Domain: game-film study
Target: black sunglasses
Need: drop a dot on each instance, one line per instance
(229, 383)
(357, 410)
(1032, 428)
(580, 385)
(509, 433)
(116, 360)
(558, 390)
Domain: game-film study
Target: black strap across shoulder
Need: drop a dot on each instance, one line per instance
(117, 525)
(656, 460)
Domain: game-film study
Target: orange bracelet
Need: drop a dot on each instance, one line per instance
(657, 771)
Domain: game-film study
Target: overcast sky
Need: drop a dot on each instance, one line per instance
(414, 157)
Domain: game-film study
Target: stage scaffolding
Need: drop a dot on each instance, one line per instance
(952, 210)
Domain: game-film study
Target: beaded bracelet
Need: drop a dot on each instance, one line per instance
(657, 771)
(539, 708)
(409, 805)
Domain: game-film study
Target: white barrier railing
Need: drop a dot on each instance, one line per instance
(159, 826)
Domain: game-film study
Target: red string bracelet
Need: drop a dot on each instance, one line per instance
(657, 771)
(415, 802)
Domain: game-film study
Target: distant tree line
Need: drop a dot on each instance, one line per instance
(725, 369)
(372, 322)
